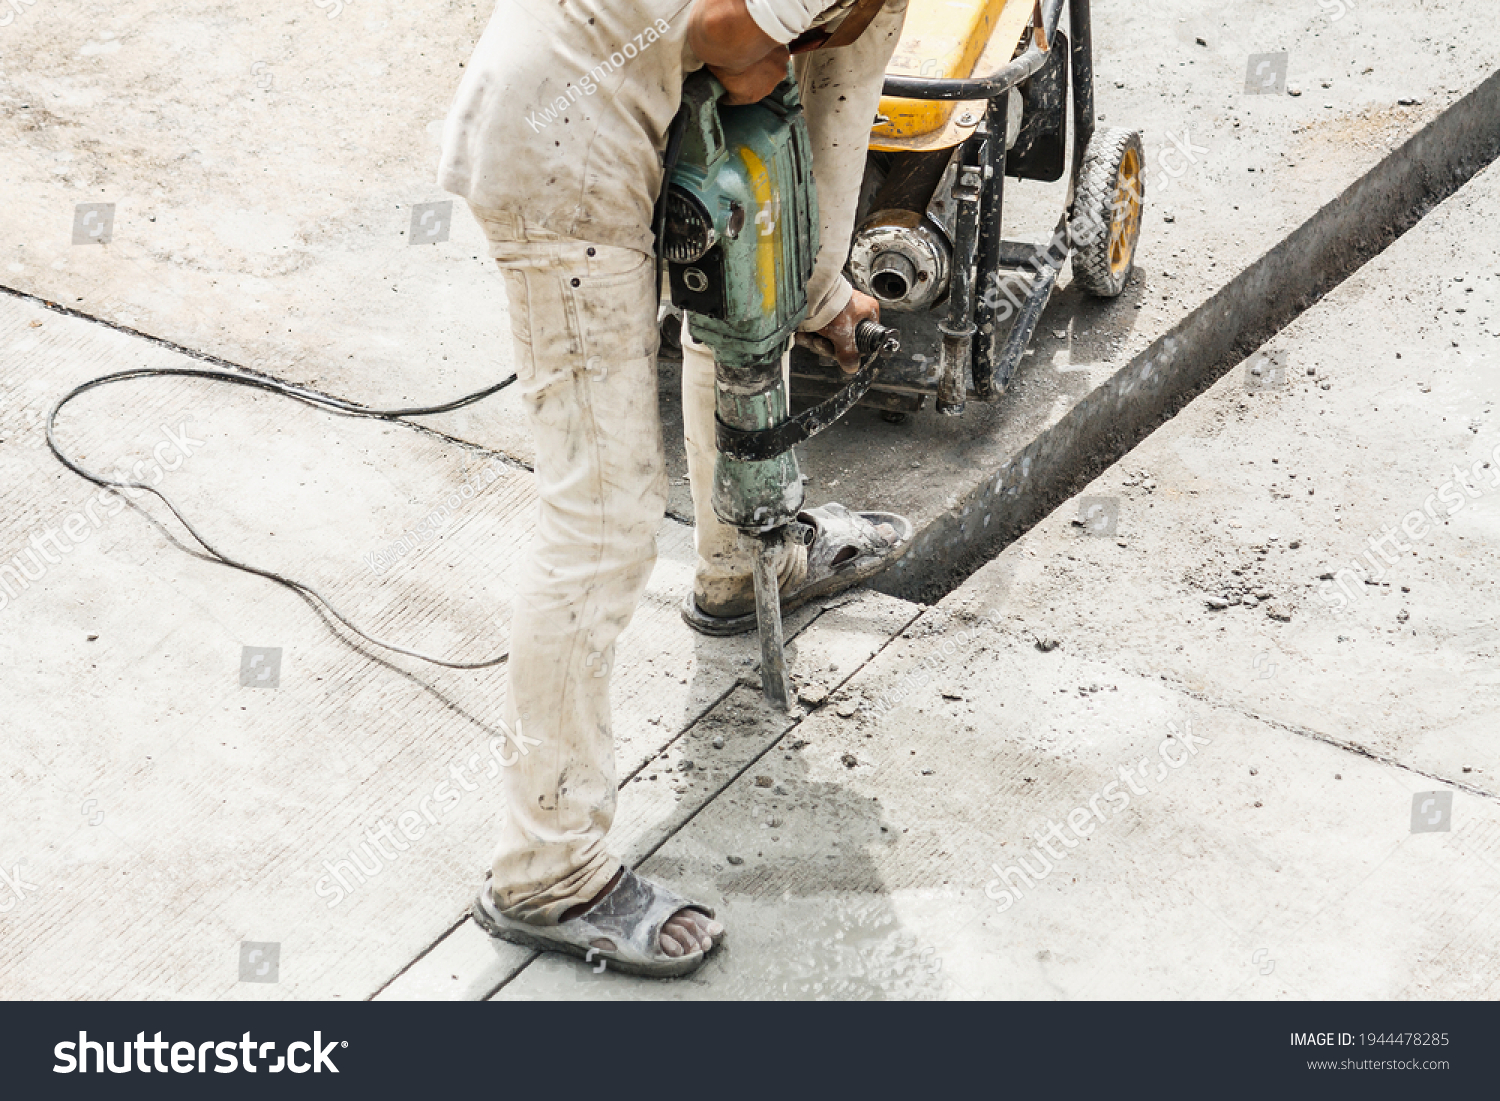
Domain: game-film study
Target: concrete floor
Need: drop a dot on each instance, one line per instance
(263, 165)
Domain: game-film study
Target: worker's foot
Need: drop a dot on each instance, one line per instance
(635, 925)
(847, 549)
(685, 932)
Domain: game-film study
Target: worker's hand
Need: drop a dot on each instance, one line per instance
(755, 83)
(747, 61)
(840, 331)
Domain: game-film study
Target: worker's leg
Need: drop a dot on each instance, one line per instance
(585, 338)
(723, 585)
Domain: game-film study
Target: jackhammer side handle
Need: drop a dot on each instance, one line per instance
(757, 445)
(869, 337)
(872, 338)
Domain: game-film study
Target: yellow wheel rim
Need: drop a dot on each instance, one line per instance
(1125, 226)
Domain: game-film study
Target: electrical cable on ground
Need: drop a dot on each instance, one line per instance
(309, 397)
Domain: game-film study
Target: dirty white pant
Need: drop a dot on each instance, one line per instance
(585, 346)
(584, 321)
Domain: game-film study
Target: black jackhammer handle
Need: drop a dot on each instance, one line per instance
(872, 338)
(757, 445)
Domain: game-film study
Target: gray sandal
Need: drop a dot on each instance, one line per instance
(631, 916)
(846, 550)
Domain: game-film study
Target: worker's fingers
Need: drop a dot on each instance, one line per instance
(849, 355)
(818, 343)
(840, 332)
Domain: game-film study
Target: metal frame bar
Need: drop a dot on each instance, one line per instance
(958, 327)
(991, 239)
(1081, 24)
(997, 84)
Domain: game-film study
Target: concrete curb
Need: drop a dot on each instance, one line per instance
(1253, 307)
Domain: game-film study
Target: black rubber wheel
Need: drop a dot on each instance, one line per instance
(1107, 212)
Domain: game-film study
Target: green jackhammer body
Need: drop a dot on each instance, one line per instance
(740, 238)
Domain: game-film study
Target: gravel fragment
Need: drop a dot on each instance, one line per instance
(812, 694)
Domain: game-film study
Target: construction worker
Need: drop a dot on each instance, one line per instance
(555, 140)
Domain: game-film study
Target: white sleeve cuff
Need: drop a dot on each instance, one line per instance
(784, 20)
(829, 305)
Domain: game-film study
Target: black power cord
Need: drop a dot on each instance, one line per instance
(310, 397)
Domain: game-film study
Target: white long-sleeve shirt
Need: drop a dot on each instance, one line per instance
(563, 109)
(784, 20)
(562, 113)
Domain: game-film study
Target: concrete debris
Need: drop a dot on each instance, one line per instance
(812, 694)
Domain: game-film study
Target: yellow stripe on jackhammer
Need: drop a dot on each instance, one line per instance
(767, 215)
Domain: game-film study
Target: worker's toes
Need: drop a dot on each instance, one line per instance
(688, 931)
(677, 938)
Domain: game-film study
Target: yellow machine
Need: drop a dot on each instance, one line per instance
(979, 91)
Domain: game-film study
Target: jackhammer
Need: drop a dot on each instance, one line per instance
(739, 232)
